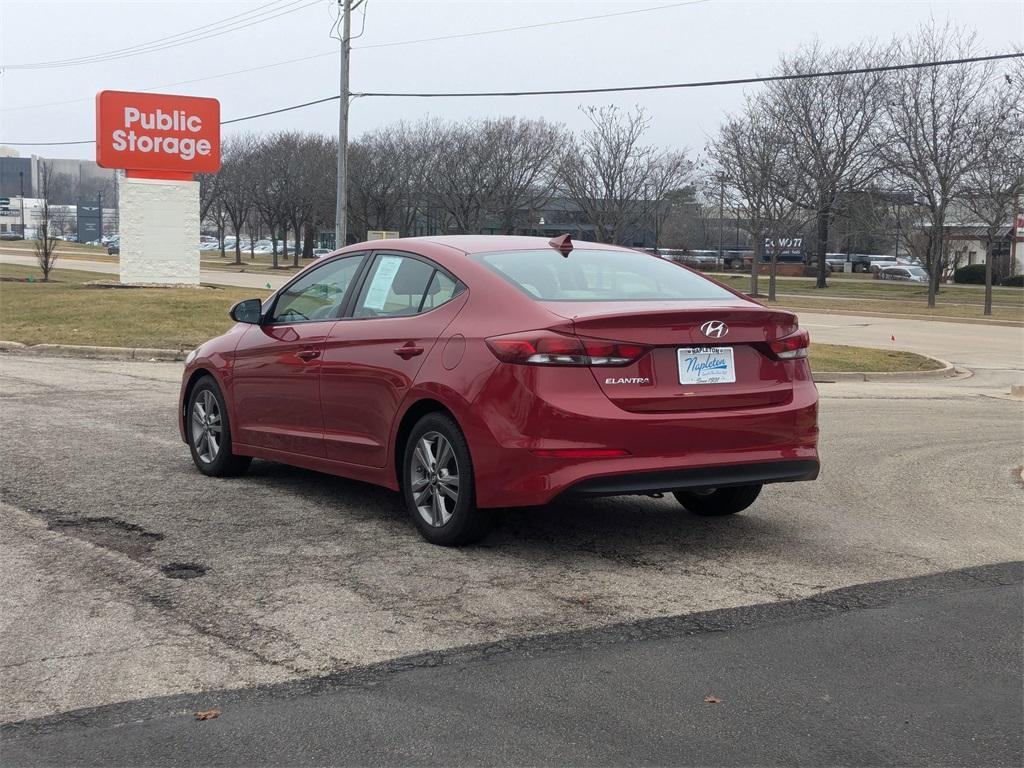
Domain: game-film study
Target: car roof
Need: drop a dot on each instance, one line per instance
(470, 244)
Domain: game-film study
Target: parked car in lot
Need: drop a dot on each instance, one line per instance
(11, 236)
(906, 274)
(113, 249)
(319, 253)
(473, 372)
(876, 263)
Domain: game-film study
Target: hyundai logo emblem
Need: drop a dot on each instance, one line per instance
(714, 329)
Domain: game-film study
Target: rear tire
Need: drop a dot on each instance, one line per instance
(209, 432)
(720, 501)
(438, 484)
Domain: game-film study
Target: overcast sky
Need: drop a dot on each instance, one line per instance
(714, 39)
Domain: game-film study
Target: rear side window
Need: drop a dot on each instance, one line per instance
(441, 289)
(589, 275)
(397, 286)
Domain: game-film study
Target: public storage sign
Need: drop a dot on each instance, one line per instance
(157, 133)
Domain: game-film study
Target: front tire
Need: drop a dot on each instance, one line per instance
(209, 432)
(438, 484)
(719, 501)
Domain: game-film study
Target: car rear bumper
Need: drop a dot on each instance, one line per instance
(661, 451)
(724, 476)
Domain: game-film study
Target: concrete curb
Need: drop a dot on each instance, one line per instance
(947, 370)
(104, 353)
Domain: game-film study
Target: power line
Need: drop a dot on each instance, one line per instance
(697, 84)
(381, 45)
(461, 35)
(177, 82)
(278, 111)
(255, 16)
(613, 89)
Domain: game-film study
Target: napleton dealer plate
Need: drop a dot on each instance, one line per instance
(706, 365)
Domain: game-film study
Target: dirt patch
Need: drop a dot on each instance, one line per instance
(109, 532)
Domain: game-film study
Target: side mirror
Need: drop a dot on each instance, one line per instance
(247, 311)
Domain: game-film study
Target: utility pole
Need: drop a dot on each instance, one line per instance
(99, 212)
(341, 193)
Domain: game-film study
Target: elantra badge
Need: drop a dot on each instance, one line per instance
(714, 329)
(629, 380)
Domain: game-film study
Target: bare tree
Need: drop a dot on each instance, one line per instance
(376, 168)
(613, 177)
(459, 185)
(996, 179)
(828, 123)
(750, 156)
(209, 190)
(46, 242)
(933, 136)
(272, 186)
(522, 155)
(237, 185)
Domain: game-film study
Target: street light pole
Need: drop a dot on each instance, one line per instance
(21, 181)
(99, 212)
(721, 221)
(341, 193)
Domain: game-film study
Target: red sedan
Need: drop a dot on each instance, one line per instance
(474, 372)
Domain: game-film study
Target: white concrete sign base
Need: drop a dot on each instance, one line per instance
(159, 231)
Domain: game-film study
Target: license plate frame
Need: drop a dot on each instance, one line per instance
(706, 365)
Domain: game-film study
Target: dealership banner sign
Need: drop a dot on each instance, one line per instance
(157, 135)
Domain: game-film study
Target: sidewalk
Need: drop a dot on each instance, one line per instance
(209, 276)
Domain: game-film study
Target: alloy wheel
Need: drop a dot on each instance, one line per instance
(206, 426)
(434, 479)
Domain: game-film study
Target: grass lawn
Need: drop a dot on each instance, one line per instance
(66, 311)
(64, 249)
(834, 358)
(952, 312)
(884, 290)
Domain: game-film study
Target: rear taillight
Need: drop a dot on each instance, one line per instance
(791, 347)
(549, 348)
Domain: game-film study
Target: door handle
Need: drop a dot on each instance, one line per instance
(305, 355)
(410, 350)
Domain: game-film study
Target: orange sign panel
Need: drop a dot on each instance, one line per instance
(157, 132)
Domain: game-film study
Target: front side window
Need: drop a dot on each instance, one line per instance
(319, 294)
(397, 286)
(591, 275)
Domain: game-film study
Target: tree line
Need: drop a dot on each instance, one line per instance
(435, 176)
(929, 142)
(871, 158)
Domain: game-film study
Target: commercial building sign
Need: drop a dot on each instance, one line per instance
(161, 135)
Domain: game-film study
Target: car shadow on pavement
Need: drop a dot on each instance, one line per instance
(630, 530)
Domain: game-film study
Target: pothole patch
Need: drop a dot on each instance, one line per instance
(183, 570)
(109, 532)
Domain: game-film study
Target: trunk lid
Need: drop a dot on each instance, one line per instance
(652, 383)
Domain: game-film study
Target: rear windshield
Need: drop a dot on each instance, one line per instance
(586, 275)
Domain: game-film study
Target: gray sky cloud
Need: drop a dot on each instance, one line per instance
(710, 40)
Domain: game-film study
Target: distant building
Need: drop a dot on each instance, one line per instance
(966, 245)
(70, 179)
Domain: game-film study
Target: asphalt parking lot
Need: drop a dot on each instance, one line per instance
(290, 574)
